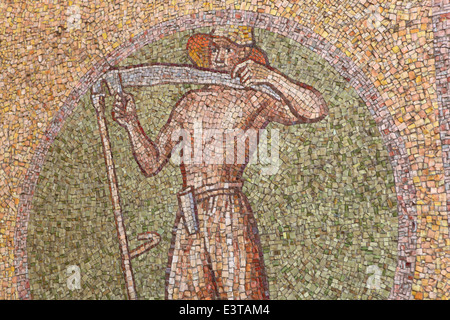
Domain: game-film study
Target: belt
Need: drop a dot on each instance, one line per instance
(189, 197)
(205, 191)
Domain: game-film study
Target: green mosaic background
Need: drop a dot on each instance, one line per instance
(328, 214)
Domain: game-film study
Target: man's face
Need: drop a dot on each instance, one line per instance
(225, 54)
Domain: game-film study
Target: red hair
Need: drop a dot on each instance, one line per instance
(198, 50)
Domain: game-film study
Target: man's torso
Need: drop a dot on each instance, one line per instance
(223, 124)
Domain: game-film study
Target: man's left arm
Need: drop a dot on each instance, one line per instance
(300, 103)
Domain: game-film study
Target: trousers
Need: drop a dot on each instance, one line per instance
(221, 258)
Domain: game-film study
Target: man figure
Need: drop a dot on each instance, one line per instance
(216, 251)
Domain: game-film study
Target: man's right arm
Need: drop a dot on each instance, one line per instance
(151, 156)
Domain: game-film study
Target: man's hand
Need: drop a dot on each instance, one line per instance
(124, 110)
(251, 73)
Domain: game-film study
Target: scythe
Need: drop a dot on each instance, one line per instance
(136, 76)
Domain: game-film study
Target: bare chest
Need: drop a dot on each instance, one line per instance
(223, 110)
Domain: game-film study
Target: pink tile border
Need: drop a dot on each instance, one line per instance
(441, 30)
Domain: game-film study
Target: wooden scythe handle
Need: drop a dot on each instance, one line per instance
(98, 100)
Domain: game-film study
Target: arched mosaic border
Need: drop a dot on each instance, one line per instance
(441, 10)
(390, 133)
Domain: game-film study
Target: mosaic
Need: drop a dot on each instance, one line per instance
(229, 153)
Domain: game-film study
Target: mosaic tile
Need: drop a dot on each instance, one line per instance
(223, 150)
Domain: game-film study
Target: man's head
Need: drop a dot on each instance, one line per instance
(224, 48)
(225, 54)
